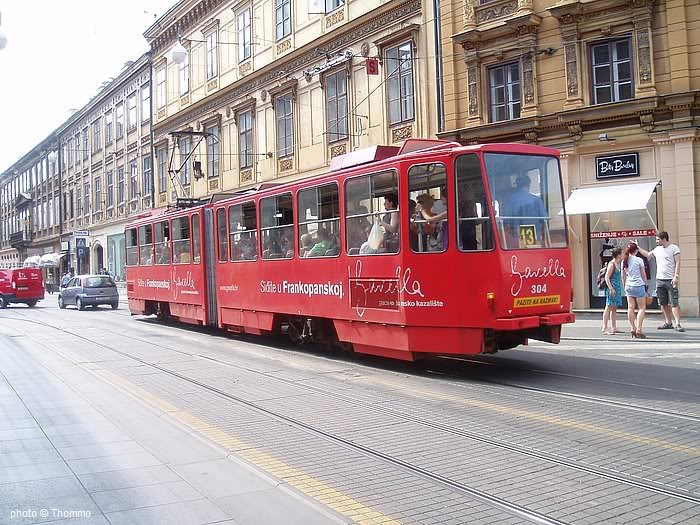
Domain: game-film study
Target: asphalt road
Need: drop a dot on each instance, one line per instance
(594, 430)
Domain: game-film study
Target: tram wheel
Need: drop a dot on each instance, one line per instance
(295, 330)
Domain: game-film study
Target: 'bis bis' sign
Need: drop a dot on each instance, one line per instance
(622, 165)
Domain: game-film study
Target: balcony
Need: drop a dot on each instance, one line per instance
(20, 239)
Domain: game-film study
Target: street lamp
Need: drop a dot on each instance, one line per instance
(178, 54)
(3, 38)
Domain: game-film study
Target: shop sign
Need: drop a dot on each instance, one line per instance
(623, 234)
(622, 165)
(65, 246)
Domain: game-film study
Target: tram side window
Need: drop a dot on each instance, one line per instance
(427, 208)
(182, 245)
(222, 235)
(162, 242)
(243, 228)
(277, 227)
(319, 221)
(474, 230)
(146, 244)
(371, 201)
(196, 246)
(132, 247)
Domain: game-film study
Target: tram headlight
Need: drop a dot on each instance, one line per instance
(491, 300)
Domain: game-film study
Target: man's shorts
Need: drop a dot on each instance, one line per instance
(666, 293)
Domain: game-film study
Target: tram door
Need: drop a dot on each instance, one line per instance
(210, 266)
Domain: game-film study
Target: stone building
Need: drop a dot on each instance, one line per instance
(30, 224)
(615, 86)
(106, 169)
(64, 204)
(273, 90)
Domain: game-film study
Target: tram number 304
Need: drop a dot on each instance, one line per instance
(539, 288)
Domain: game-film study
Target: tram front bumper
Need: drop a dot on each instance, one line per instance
(533, 321)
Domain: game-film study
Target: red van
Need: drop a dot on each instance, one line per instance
(21, 285)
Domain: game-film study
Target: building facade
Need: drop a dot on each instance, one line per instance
(30, 224)
(106, 168)
(271, 91)
(64, 204)
(615, 86)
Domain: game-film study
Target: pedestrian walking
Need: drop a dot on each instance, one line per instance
(668, 273)
(65, 279)
(613, 293)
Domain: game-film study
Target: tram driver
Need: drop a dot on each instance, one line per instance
(524, 208)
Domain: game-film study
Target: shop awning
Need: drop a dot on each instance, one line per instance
(614, 197)
(32, 261)
(51, 260)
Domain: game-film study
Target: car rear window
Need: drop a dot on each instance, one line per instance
(99, 282)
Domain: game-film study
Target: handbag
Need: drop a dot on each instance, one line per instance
(376, 236)
(600, 280)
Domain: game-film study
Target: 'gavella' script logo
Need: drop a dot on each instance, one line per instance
(552, 269)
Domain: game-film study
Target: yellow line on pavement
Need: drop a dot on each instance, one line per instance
(310, 486)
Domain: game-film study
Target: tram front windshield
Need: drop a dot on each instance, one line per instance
(527, 200)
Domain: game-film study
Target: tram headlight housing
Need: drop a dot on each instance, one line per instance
(491, 300)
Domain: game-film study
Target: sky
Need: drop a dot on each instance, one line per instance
(57, 55)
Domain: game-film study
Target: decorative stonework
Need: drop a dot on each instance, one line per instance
(246, 176)
(473, 87)
(283, 46)
(531, 136)
(335, 17)
(184, 100)
(469, 14)
(214, 184)
(528, 80)
(571, 69)
(403, 133)
(162, 113)
(646, 122)
(644, 55)
(286, 164)
(277, 71)
(364, 50)
(212, 84)
(339, 149)
(489, 12)
(244, 69)
(263, 95)
(162, 198)
(191, 20)
(575, 131)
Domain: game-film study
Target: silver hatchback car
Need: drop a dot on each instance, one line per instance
(89, 290)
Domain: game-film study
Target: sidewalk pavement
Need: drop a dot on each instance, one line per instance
(589, 327)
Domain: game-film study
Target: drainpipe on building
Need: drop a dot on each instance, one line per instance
(154, 161)
(438, 66)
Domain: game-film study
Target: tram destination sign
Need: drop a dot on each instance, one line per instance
(621, 165)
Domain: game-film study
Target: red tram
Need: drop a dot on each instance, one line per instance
(431, 248)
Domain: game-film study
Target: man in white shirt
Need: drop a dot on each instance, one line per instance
(668, 269)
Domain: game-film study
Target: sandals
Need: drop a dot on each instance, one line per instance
(665, 326)
(639, 335)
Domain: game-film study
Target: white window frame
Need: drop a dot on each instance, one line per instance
(511, 104)
(243, 24)
(211, 54)
(398, 70)
(160, 83)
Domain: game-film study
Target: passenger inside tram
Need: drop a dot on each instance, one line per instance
(390, 223)
(306, 242)
(324, 243)
(358, 228)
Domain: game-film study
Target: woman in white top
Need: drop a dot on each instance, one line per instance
(634, 278)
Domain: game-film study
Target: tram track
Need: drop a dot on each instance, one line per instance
(658, 488)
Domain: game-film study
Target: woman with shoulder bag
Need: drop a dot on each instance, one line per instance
(613, 293)
(635, 281)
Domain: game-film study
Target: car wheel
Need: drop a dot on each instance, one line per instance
(31, 304)
(115, 306)
(3, 302)
(61, 304)
(79, 303)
